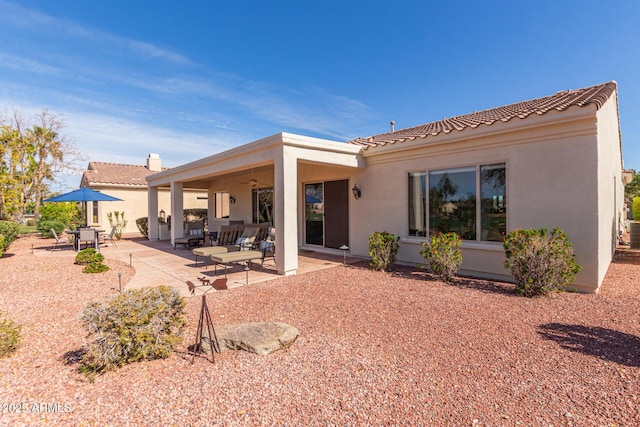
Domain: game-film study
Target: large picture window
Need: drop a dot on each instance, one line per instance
(470, 201)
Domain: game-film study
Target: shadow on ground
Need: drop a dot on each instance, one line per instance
(603, 343)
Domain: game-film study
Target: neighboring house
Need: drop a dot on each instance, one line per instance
(550, 162)
(128, 182)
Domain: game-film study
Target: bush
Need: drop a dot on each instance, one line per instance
(635, 208)
(143, 226)
(540, 263)
(443, 255)
(10, 230)
(63, 212)
(9, 336)
(136, 325)
(383, 248)
(92, 261)
(1, 245)
(44, 227)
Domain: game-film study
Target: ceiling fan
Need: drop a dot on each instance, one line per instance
(254, 183)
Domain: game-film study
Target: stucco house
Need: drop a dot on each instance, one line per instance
(554, 161)
(128, 182)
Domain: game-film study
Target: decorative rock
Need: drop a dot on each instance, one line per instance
(259, 338)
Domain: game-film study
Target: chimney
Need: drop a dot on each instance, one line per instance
(393, 126)
(154, 164)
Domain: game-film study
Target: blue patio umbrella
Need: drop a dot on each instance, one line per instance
(84, 195)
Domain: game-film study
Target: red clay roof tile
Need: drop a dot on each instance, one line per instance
(594, 95)
(116, 173)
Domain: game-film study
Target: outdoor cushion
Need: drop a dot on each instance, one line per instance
(226, 257)
(210, 250)
(266, 245)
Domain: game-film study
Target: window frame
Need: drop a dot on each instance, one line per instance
(478, 196)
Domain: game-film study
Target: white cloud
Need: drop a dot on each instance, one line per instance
(19, 63)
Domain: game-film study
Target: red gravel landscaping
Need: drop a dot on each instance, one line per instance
(374, 349)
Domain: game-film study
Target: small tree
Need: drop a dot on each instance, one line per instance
(383, 248)
(443, 255)
(63, 212)
(540, 263)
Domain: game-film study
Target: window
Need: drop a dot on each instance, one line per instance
(94, 208)
(314, 214)
(222, 205)
(457, 203)
(262, 205)
(452, 202)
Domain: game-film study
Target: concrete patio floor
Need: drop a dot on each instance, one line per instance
(157, 263)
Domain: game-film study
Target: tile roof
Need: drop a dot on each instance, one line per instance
(116, 174)
(594, 95)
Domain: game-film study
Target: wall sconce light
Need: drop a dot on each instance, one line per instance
(356, 191)
(232, 199)
(163, 216)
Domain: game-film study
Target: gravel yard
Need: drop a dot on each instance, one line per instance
(374, 349)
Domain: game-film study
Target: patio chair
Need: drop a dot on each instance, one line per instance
(268, 247)
(110, 236)
(193, 235)
(87, 235)
(58, 240)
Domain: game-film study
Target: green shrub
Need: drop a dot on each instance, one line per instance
(88, 256)
(383, 248)
(635, 208)
(10, 230)
(1, 245)
(9, 336)
(92, 261)
(132, 326)
(143, 226)
(540, 263)
(44, 227)
(64, 212)
(95, 267)
(443, 255)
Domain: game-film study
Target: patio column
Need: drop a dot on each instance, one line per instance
(177, 211)
(153, 218)
(286, 215)
(211, 208)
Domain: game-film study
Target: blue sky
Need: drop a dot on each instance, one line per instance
(193, 78)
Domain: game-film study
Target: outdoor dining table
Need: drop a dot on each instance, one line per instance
(76, 238)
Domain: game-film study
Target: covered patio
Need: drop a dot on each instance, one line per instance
(280, 164)
(157, 263)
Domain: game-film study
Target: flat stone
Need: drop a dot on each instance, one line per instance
(258, 338)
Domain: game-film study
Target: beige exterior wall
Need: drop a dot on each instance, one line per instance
(563, 170)
(134, 204)
(554, 179)
(610, 184)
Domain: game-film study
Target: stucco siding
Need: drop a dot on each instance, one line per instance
(610, 185)
(134, 204)
(550, 183)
